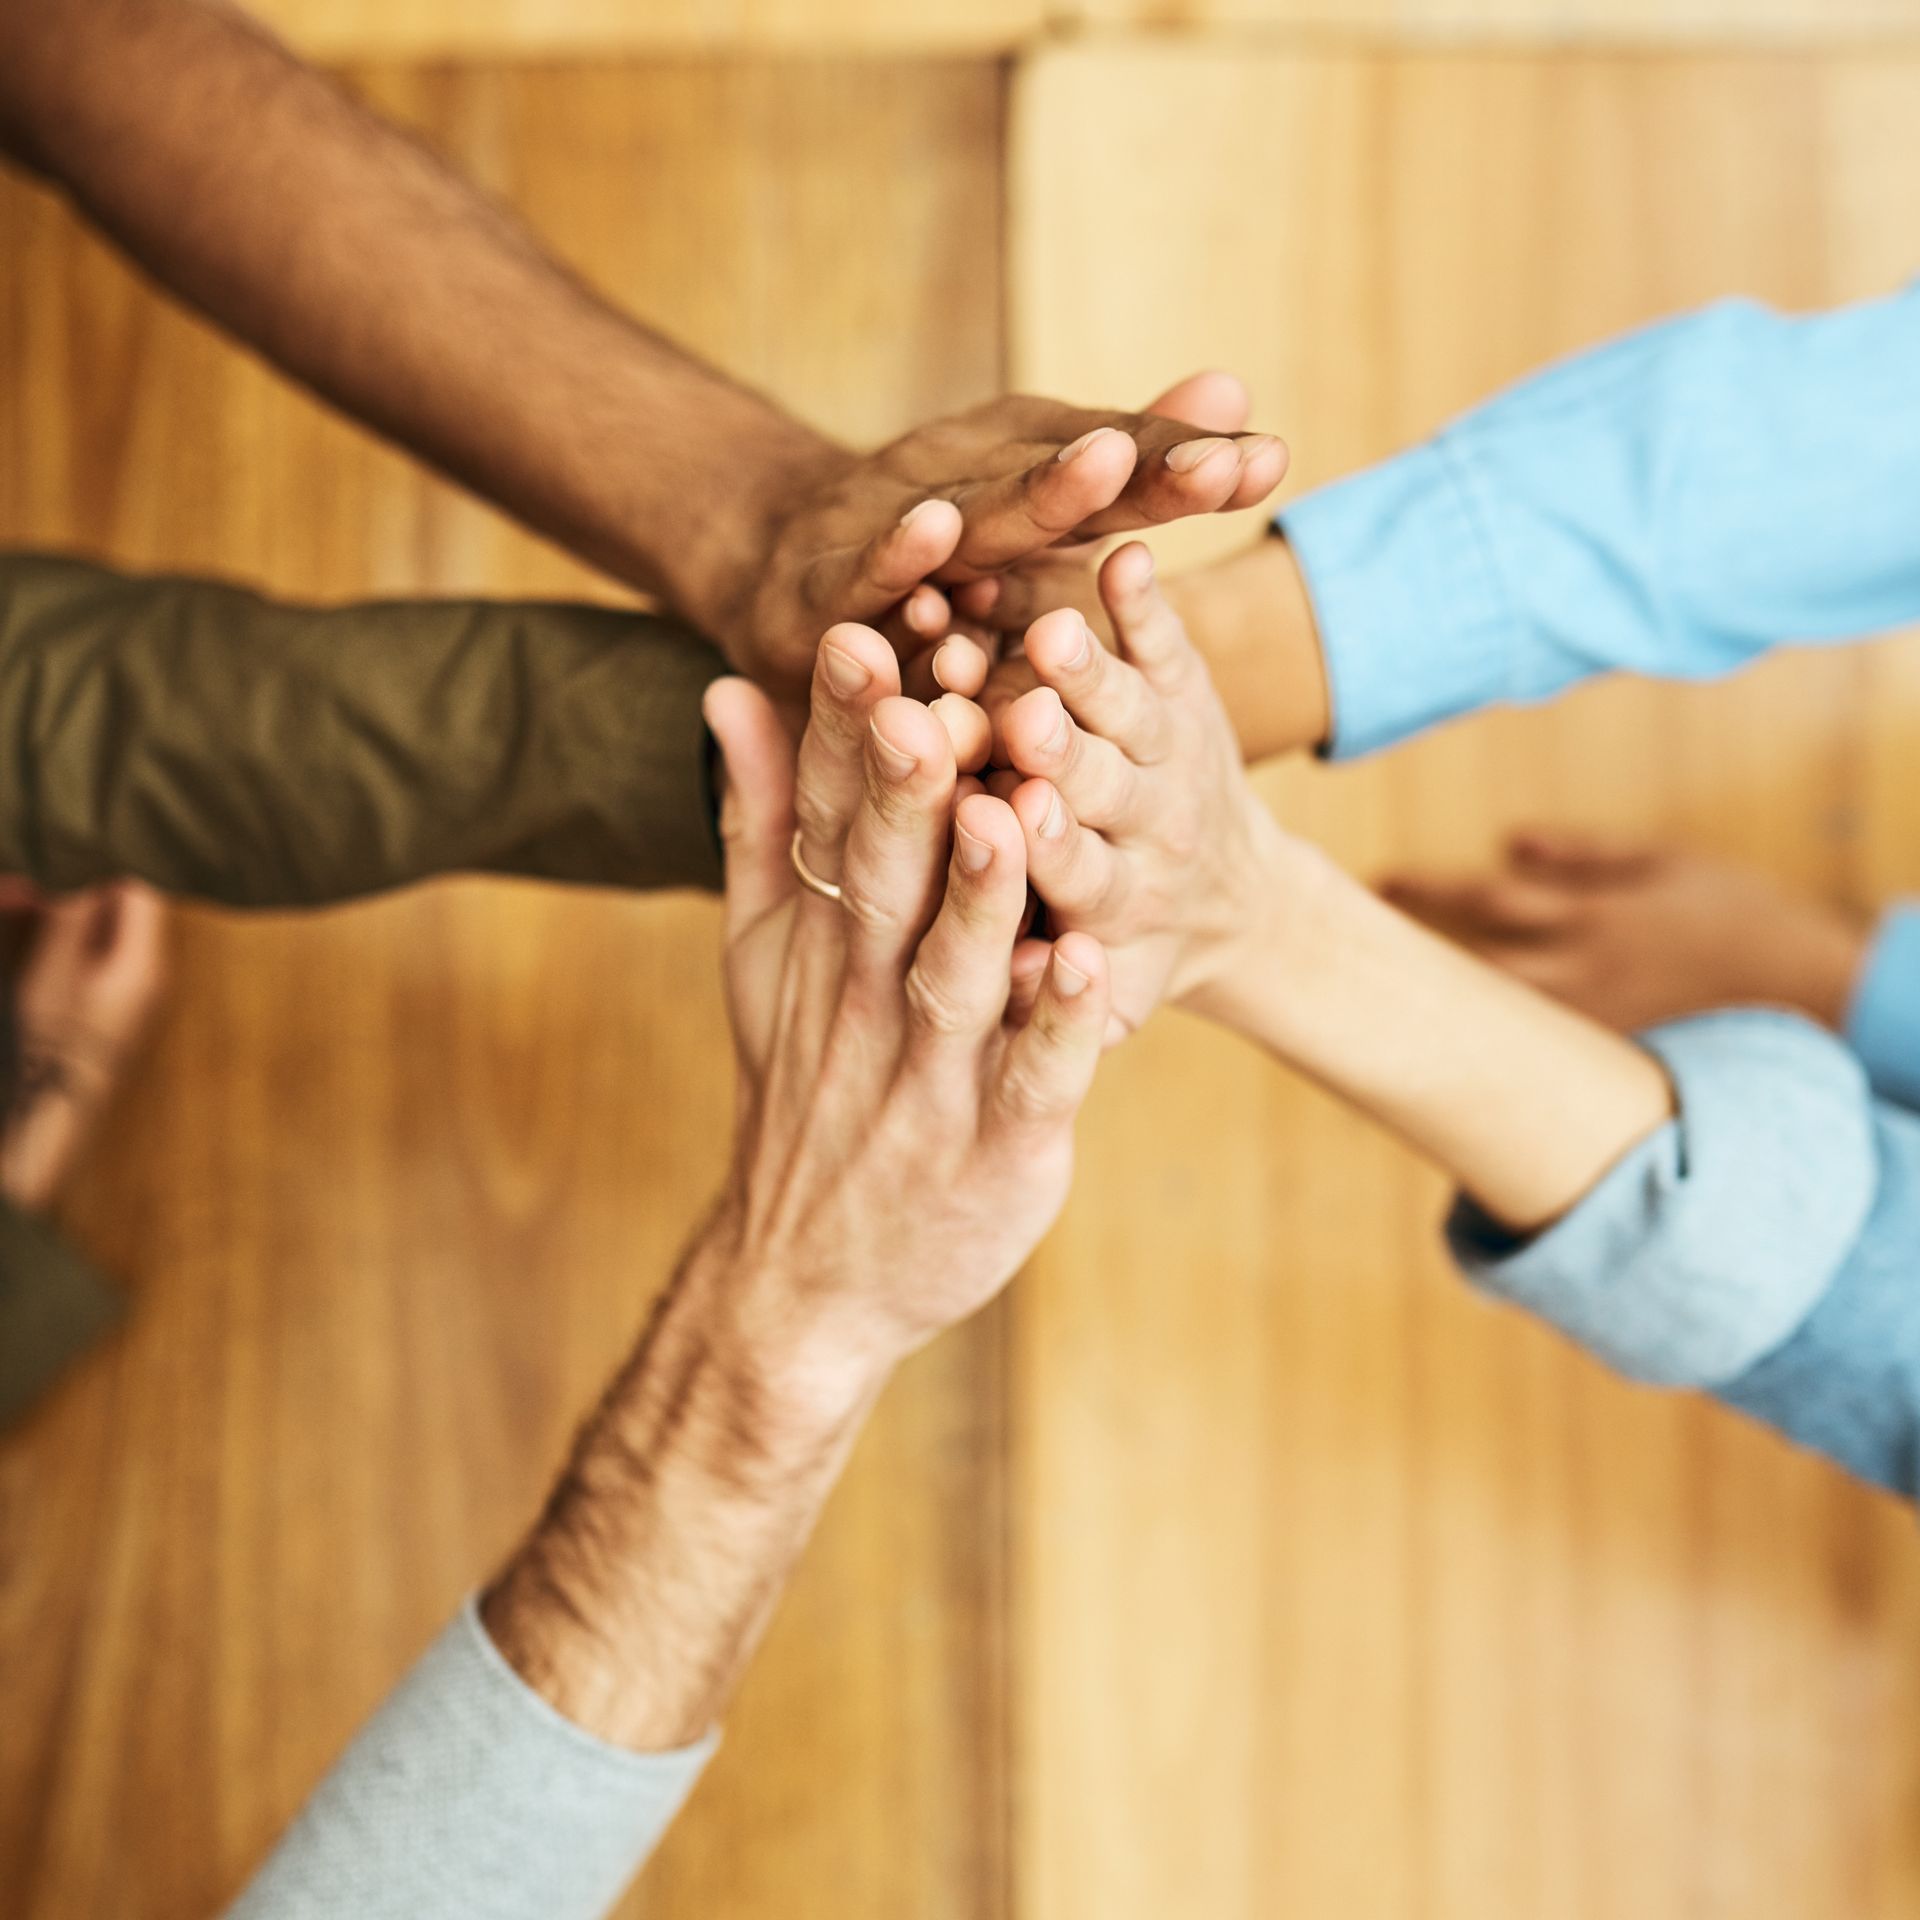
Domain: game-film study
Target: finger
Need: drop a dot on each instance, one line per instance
(854, 671)
(130, 961)
(1103, 695)
(1150, 634)
(756, 810)
(1010, 680)
(1100, 783)
(1581, 857)
(1024, 975)
(1180, 472)
(957, 985)
(917, 679)
(968, 730)
(1009, 518)
(1050, 1063)
(1212, 399)
(1074, 870)
(861, 582)
(52, 977)
(926, 613)
(1264, 461)
(896, 848)
(961, 666)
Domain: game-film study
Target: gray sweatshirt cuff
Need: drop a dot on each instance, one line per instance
(466, 1795)
(1710, 1243)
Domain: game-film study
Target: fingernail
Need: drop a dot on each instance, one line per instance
(1056, 820)
(1058, 738)
(1076, 448)
(920, 512)
(893, 763)
(1069, 981)
(845, 675)
(1256, 444)
(1084, 652)
(975, 853)
(1189, 453)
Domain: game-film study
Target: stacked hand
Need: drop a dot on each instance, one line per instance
(884, 537)
(873, 1030)
(1123, 771)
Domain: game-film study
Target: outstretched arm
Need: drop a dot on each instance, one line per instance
(900, 1149)
(1722, 1206)
(1673, 503)
(357, 261)
(234, 749)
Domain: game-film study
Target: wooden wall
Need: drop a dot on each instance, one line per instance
(1240, 1565)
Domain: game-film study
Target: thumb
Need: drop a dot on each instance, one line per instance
(756, 808)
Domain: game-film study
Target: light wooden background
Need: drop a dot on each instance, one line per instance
(1239, 1565)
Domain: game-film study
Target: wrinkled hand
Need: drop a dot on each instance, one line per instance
(1634, 936)
(1124, 773)
(902, 1144)
(860, 537)
(92, 975)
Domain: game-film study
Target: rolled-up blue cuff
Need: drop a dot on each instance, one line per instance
(1710, 1243)
(1414, 625)
(1883, 1024)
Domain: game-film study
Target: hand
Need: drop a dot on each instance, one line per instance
(92, 975)
(1635, 936)
(856, 537)
(900, 1149)
(1125, 776)
(1249, 616)
(902, 1145)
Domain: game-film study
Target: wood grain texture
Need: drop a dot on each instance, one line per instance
(410, 30)
(491, 29)
(1336, 1591)
(1570, 24)
(397, 1183)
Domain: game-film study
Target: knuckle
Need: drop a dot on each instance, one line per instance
(818, 820)
(1026, 1097)
(934, 1006)
(869, 910)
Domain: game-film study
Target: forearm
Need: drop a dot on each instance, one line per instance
(1523, 1103)
(261, 193)
(1253, 622)
(1673, 503)
(636, 1602)
(254, 754)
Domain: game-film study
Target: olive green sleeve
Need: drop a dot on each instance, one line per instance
(236, 750)
(53, 1305)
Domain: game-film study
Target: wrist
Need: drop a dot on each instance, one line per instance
(1253, 622)
(1285, 910)
(784, 1372)
(762, 465)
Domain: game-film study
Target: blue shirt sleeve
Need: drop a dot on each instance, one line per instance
(1883, 1025)
(1674, 503)
(1764, 1247)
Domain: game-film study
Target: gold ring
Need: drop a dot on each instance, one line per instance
(808, 878)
